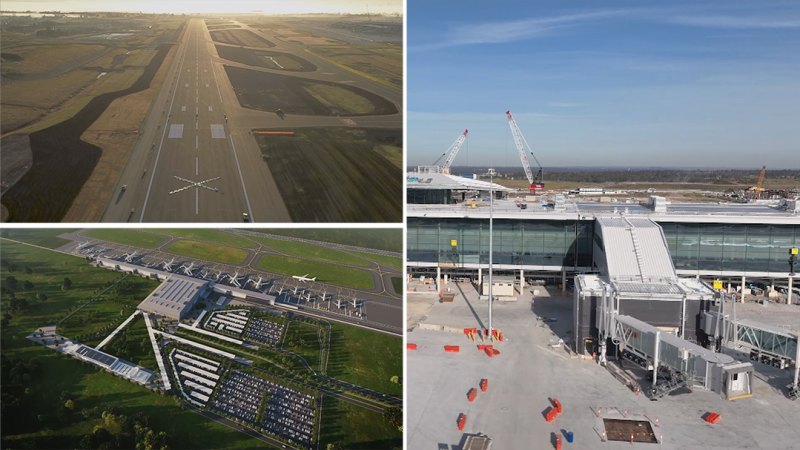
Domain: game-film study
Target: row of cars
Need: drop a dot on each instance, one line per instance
(288, 413)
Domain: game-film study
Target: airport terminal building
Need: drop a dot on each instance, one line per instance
(538, 240)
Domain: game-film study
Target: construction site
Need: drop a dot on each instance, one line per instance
(617, 323)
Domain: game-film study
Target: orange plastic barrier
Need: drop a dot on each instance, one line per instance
(275, 133)
(470, 330)
(550, 415)
(472, 394)
(484, 347)
(712, 418)
(558, 442)
(411, 346)
(484, 384)
(462, 420)
(452, 348)
(557, 406)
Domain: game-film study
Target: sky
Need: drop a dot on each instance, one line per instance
(612, 83)
(205, 6)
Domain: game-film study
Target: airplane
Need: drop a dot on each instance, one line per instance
(188, 270)
(219, 276)
(168, 264)
(236, 279)
(257, 284)
(357, 303)
(340, 303)
(304, 278)
(129, 257)
(83, 245)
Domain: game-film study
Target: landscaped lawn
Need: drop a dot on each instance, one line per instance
(366, 358)
(214, 236)
(383, 239)
(356, 427)
(132, 343)
(301, 338)
(325, 272)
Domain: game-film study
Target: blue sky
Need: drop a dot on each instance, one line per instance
(699, 84)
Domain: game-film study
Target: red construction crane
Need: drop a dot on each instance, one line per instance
(536, 183)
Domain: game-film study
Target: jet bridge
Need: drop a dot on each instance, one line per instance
(678, 362)
(767, 344)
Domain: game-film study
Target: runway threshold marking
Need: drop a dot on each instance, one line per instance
(183, 108)
(210, 109)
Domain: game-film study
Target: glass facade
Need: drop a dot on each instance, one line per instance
(732, 247)
(568, 243)
(542, 243)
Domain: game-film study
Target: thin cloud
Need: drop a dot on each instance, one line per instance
(501, 32)
(734, 22)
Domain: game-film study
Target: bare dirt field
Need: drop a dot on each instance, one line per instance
(240, 37)
(267, 59)
(62, 162)
(115, 132)
(295, 95)
(336, 174)
(38, 59)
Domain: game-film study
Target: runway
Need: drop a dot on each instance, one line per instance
(196, 160)
(190, 165)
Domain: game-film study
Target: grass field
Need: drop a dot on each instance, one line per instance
(325, 272)
(208, 251)
(356, 428)
(85, 385)
(381, 62)
(312, 251)
(351, 181)
(45, 237)
(366, 358)
(136, 238)
(213, 236)
(397, 285)
(133, 344)
(384, 260)
(382, 239)
(339, 99)
(301, 338)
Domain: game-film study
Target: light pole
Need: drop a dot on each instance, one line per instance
(491, 236)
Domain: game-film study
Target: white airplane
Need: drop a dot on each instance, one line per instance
(257, 284)
(356, 303)
(168, 264)
(235, 279)
(188, 270)
(219, 276)
(340, 303)
(304, 278)
(129, 257)
(83, 245)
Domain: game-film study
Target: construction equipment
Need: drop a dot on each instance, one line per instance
(449, 156)
(453, 151)
(759, 187)
(536, 183)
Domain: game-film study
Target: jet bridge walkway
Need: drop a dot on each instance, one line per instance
(766, 344)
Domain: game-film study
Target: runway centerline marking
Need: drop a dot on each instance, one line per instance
(163, 135)
(196, 165)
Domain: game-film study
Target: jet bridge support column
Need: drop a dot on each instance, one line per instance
(744, 286)
(789, 296)
(655, 357)
(521, 281)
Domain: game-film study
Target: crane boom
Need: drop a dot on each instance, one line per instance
(523, 149)
(759, 187)
(453, 151)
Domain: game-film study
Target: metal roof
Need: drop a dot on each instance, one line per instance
(676, 212)
(635, 248)
(415, 180)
